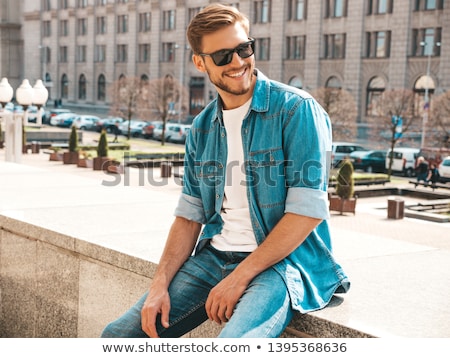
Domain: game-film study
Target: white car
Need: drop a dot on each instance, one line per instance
(85, 122)
(342, 150)
(444, 170)
(62, 118)
(135, 127)
(404, 161)
(177, 133)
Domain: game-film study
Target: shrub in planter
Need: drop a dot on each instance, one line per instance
(71, 157)
(101, 162)
(344, 200)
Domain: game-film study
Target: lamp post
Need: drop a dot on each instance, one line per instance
(40, 97)
(426, 106)
(6, 94)
(26, 96)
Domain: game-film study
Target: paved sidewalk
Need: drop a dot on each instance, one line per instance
(399, 269)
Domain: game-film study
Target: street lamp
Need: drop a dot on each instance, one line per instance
(25, 96)
(40, 97)
(426, 106)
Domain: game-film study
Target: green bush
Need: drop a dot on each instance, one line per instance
(345, 183)
(73, 140)
(102, 148)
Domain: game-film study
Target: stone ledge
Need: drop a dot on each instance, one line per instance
(62, 290)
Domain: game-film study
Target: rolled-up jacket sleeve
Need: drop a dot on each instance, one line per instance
(190, 208)
(307, 202)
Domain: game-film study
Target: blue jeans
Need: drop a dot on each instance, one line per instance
(263, 311)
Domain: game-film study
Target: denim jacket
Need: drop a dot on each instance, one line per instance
(286, 138)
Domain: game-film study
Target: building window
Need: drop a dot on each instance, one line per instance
(295, 47)
(261, 11)
(375, 7)
(81, 3)
(63, 28)
(81, 53)
(144, 53)
(45, 54)
(64, 86)
(46, 28)
(63, 54)
(168, 20)
(144, 22)
(297, 10)
(421, 103)
(63, 4)
(425, 5)
(262, 51)
(168, 52)
(100, 25)
(81, 27)
(426, 42)
(192, 12)
(378, 44)
(334, 46)
(335, 8)
(122, 24)
(101, 2)
(46, 5)
(296, 82)
(121, 53)
(101, 88)
(100, 53)
(375, 89)
(82, 87)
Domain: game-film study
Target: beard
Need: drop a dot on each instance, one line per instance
(221, 84)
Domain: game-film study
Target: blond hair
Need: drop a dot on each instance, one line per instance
(210, 19)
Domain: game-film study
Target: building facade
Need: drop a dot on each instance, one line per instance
(11, 44)
(79, 47)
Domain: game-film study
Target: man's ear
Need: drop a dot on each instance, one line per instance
(199, 63)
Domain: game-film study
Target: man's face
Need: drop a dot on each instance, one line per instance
(234, 81)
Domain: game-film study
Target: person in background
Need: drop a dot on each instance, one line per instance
(421, 170)
(433, 175)
(250, 244)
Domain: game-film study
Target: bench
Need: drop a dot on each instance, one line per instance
(432, 186)
(430, 205)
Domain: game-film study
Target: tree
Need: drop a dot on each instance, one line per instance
(395, 116)
(127, 98)
(341, 107)
(439, 120)
(163, 97)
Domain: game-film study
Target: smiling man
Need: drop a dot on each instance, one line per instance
(250, 243)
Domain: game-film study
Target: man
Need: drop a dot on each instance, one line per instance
(253, 207)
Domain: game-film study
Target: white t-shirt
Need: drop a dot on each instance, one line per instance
(237, 233)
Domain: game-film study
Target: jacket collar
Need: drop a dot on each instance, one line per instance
(260, 103)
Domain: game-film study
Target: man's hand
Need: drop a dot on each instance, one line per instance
(157, 302)
(223, 298)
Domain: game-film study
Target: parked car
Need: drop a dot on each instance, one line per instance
(342, 150)
(444, 170)
(63, 119)
(177, 133)
(109, 124)
(135, 126)
(147, 130)
(404, 161)
(85, 122)
(371, 161)
(157, 131)
(48, 115)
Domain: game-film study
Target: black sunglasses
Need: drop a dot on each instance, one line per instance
(225, 56)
